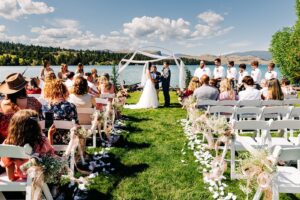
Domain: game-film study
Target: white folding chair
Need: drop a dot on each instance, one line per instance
(226, 111)
(275, 112)
(245, 143)
(6, 185)
(291, 96)
(291, 102)
(272, 103)
(286, 178)
(249, 103)
(243, 113)
(227, 103)
(206, 103)
(289, 126)
(107, 96)
(295, 113)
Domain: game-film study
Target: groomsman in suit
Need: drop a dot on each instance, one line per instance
(156, 77)
(165, 82)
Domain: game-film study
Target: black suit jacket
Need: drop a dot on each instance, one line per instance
(157, 79)
(165, 78)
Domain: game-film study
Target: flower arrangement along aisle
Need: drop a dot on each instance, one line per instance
(202, 124)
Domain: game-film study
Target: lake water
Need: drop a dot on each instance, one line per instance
(132, 74)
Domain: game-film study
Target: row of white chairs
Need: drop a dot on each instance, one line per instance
(85, 116)
(242, 113)
(252, 103)
(261, 136)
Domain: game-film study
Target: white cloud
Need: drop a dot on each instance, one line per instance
(12, 9)
(157, 28)
(211, 27)
(211, 18)
(141, 31)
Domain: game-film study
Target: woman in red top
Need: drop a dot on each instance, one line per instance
(25, 129)
(33, 86)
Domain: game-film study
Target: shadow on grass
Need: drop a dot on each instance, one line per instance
(135, 119)
(123, 142)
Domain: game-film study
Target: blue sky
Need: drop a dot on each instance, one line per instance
(192, 26)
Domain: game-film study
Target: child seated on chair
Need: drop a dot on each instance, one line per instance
(25, 129)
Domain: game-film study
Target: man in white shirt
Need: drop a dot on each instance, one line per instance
(201, 70)
(250, 93)
(231, 71)
(255, 73)
(270, 73)
(219, 72)
(242, 73)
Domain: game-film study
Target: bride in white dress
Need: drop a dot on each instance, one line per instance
(149, 96)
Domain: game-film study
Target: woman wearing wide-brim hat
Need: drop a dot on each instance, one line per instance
(13, 87)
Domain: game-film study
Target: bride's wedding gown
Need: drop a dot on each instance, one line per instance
(149, 96)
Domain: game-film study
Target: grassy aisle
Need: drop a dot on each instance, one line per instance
(155, 143)
(148, 162)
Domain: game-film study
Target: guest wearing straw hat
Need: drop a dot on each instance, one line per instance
(15, 94)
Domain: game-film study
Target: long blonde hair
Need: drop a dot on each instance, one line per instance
(225, 86)
(194, 84)
(102, 80)
(274, 90)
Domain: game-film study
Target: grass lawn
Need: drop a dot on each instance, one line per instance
(148, 163)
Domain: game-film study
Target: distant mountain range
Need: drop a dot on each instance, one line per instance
(263, 57)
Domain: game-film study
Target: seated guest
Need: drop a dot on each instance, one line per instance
(15, 94)
(105, 87)
(63, 72)
(255, 73)
(226, 91)
(24, 129)
(213, 83)
(95, 75)
(4, 122)
(79, 95)
(69, 81)
(202, 70)
(270, 73)
(206, 92)
(92, 87)
(286, 88)
(264, 88)
(60, 108)
(274, 90)
(250, 93)
(33, 86)
(79, 69)
(193, 85)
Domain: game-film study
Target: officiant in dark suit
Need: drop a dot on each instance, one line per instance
(156, 77)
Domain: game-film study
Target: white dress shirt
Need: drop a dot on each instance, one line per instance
(199, 72)
(270, 74)
(69, 83)
(256, 75)
(231, 73)
(219, 72)
(241, 76)
(249, 93)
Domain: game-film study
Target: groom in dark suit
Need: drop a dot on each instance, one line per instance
(165, 81)
(156, 77)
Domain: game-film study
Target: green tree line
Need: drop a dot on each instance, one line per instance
(12, 54)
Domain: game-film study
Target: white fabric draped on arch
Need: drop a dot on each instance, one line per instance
(124, 63)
